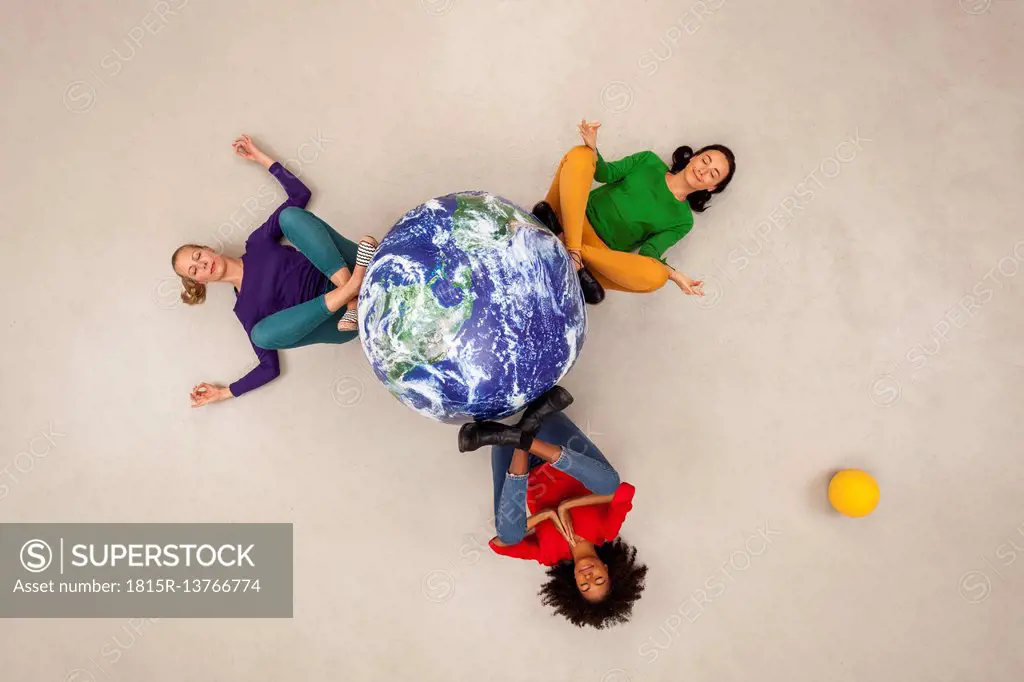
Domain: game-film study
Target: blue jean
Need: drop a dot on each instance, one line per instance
(310, 322)
(580, 459)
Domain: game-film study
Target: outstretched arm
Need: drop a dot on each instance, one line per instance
(298, 194)
(655, 247)
(688, 285)
(265, 372)
(607, 172)
(658, 243)
(247, 149)
(616, 170)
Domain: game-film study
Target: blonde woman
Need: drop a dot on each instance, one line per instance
(285, 297)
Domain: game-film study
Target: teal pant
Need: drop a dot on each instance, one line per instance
(310, 322)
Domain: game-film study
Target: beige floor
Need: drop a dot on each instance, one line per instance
(836, 337)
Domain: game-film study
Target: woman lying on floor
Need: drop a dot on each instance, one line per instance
(643, 206)
(285, 298)
(558, 501)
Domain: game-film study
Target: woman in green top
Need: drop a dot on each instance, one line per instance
(643, 206)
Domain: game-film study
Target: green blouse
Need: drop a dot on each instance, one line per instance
(634, 208)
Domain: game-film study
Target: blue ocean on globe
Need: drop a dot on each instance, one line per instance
(470, 309)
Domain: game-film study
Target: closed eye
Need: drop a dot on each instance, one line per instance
(599, 581)
(707, 159)
(585, 587)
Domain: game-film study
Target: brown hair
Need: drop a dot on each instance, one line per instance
(194, 293)
(699, 200)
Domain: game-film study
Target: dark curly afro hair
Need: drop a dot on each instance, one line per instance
(627, 583)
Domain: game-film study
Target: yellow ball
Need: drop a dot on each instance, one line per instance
(853, 492)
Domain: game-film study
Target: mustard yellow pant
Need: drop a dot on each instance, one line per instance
(615, 270)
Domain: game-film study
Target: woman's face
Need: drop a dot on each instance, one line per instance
(706, 169)
(202, 265)
(592, 578)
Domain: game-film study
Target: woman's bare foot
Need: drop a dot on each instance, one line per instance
(342, 276)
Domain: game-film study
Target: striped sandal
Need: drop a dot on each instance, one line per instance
(349, 322)
(367, 249)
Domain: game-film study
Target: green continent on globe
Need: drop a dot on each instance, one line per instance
(480, 221)
(421, 330)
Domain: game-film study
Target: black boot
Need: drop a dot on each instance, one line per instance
(544, 213)
(478, 434)
(554, 400)
(593, 292)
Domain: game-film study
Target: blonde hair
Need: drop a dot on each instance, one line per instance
(194, 292)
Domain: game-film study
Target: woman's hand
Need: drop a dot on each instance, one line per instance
(690, 287)
(566, 520)
(588, 131)
(554, 517)
(247, 149)
(204, 394)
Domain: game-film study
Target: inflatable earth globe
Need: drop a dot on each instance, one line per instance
(470, 309)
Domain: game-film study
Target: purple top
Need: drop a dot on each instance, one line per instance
(274, 277)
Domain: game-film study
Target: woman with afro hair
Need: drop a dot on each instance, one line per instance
(559, 502)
